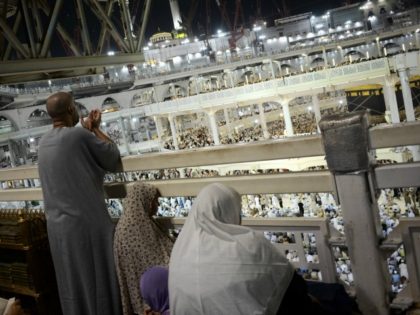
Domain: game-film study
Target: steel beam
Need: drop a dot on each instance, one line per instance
(128, 28)
(12, 38)
(85, 31)
(51, 27)
(37, 19)
(102, 35)
(29, 28)
(102, 16)
(66, 63)
(61, 30)
(143, 24)
(15, 30)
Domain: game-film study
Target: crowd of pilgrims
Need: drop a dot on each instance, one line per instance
(393, 204)
(304, 123)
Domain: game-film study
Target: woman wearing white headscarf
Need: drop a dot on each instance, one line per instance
(219, 267)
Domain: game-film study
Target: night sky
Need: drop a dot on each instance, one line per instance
(160, 17)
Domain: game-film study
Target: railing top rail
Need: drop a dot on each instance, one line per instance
(299, 223)
(294, 147)
(318, 181)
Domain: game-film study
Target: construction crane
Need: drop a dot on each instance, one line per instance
(236, 32)
(187, 20)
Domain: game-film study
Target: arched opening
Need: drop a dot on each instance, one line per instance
(175, 91)
(6, 125)
(250, 77)
(143, 98)
(141, 129)
(110, 105)
(353, 55)
(287, 69)
(318, 62)
(392, 48)
(37, 118)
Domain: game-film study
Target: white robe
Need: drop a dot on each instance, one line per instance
(219, 267)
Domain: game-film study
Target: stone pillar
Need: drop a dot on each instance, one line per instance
(348, 157)
(227, 119)
(12, 152)
(213, 127)
(406, 91)
(409, 108)
(324, 55)
(390, 98)
(287, 120)
(172, 123)
(273, 73)
(263, 122)
(307, 63)
(417, 37)
(340, 51)
(159, 129)
(124, 135)
(317, 110)
(378, 47)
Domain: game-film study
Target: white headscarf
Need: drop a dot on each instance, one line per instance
(219, 267)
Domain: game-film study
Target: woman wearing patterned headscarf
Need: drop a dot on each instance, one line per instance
(139, 244)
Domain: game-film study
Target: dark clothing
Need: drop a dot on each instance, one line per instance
(331, 299)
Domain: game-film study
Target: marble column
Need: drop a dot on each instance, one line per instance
(287, 120)
(390, 99)
(378, 47)
(172, 123)
(273, 73)
(124, 135)
(409, 108)
(159, 129)
(317, 110)
(340, 51)
(228, 124)
(213, 127)
(406, 91)
(324, 56)
(263, 121)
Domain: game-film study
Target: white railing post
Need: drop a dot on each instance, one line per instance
(346, 141)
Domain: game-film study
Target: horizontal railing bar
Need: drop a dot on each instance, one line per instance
(396, 135)
(21, 172)
(296, 147)
(297, 182)
(21, 194)
(293, 147)
(292, 224)
(398, 175)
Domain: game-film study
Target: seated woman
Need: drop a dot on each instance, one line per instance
(139, 243)
(154, 290)
(219, 267)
